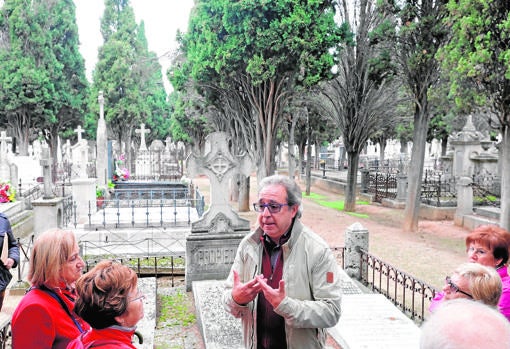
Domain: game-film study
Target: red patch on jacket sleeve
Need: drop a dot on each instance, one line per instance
(329, 277)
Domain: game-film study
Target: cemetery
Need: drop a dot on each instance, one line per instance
(154, 160)
(159, 214)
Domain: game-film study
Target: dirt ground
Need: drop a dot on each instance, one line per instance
(429, 254)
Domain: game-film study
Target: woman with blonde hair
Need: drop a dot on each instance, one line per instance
(45, 316)
(474, 281)
(109, 300)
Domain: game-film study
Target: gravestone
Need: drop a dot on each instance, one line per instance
(142, 131)
(212, 244)
(101, 147)
(80, 156)
(465, 145)
(48, 211)
(142, 162)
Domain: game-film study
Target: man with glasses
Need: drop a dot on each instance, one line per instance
(284, 283)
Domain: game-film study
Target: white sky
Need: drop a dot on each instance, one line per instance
(162, 19)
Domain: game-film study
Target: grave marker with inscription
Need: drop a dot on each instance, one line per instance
(214, 238)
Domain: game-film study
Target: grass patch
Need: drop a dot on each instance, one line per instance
(176, 310)
(336, 205)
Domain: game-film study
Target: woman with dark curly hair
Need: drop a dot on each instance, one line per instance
(109, 300)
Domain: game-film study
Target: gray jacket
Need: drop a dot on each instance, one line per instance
(312, 285)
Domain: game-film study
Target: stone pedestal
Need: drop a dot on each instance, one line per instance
(464, 200)
(356, 238)
(210, 256)
(84, 193)
(48, 214)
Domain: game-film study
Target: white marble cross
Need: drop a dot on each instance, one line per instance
(142, 131)
(79, 131)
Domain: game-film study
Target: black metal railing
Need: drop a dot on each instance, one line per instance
(382, 185)
(147, 266)
(410, 295)
(143, 212)
(438, 189)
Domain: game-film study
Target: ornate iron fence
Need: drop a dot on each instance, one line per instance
(142, 212)
(438, 189)
(410, 295)
(382, 185)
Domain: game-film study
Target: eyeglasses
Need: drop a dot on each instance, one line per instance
(273, 207)
(139, 295)
(455, 288)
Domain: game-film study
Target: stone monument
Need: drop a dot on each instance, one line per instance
(101, 146)
(48, 211)
(212, 244)
(142, 163)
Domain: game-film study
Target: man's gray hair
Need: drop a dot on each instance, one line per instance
(465, 324)
(293, 190)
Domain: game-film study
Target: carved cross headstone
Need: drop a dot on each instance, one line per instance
(142, 131)
(46, 166)
(219, 165)
(211, 247)
(79, 131)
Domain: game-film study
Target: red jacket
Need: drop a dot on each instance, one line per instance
(40, 321)
(113, 337)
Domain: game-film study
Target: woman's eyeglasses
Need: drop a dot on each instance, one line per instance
(139, 295)
(454, 288)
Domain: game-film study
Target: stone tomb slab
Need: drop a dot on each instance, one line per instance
(220, 330)
(371, 321)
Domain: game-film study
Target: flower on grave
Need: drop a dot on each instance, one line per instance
(7, 192)
(121, 172)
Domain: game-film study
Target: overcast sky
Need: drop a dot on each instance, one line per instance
(162, 19)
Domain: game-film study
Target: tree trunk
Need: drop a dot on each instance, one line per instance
(411, 212)
(382, 148)
(308, 165)
(352, 177)
(504, 218)
(292, 153)
(244, 193)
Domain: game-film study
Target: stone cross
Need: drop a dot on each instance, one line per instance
(142, 131)
(219, 165)
(79, 131)
(46, 165)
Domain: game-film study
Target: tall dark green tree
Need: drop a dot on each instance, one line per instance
(129, 76)
(261, 50)
(71, 85)
(478, 54)
(41, 71)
